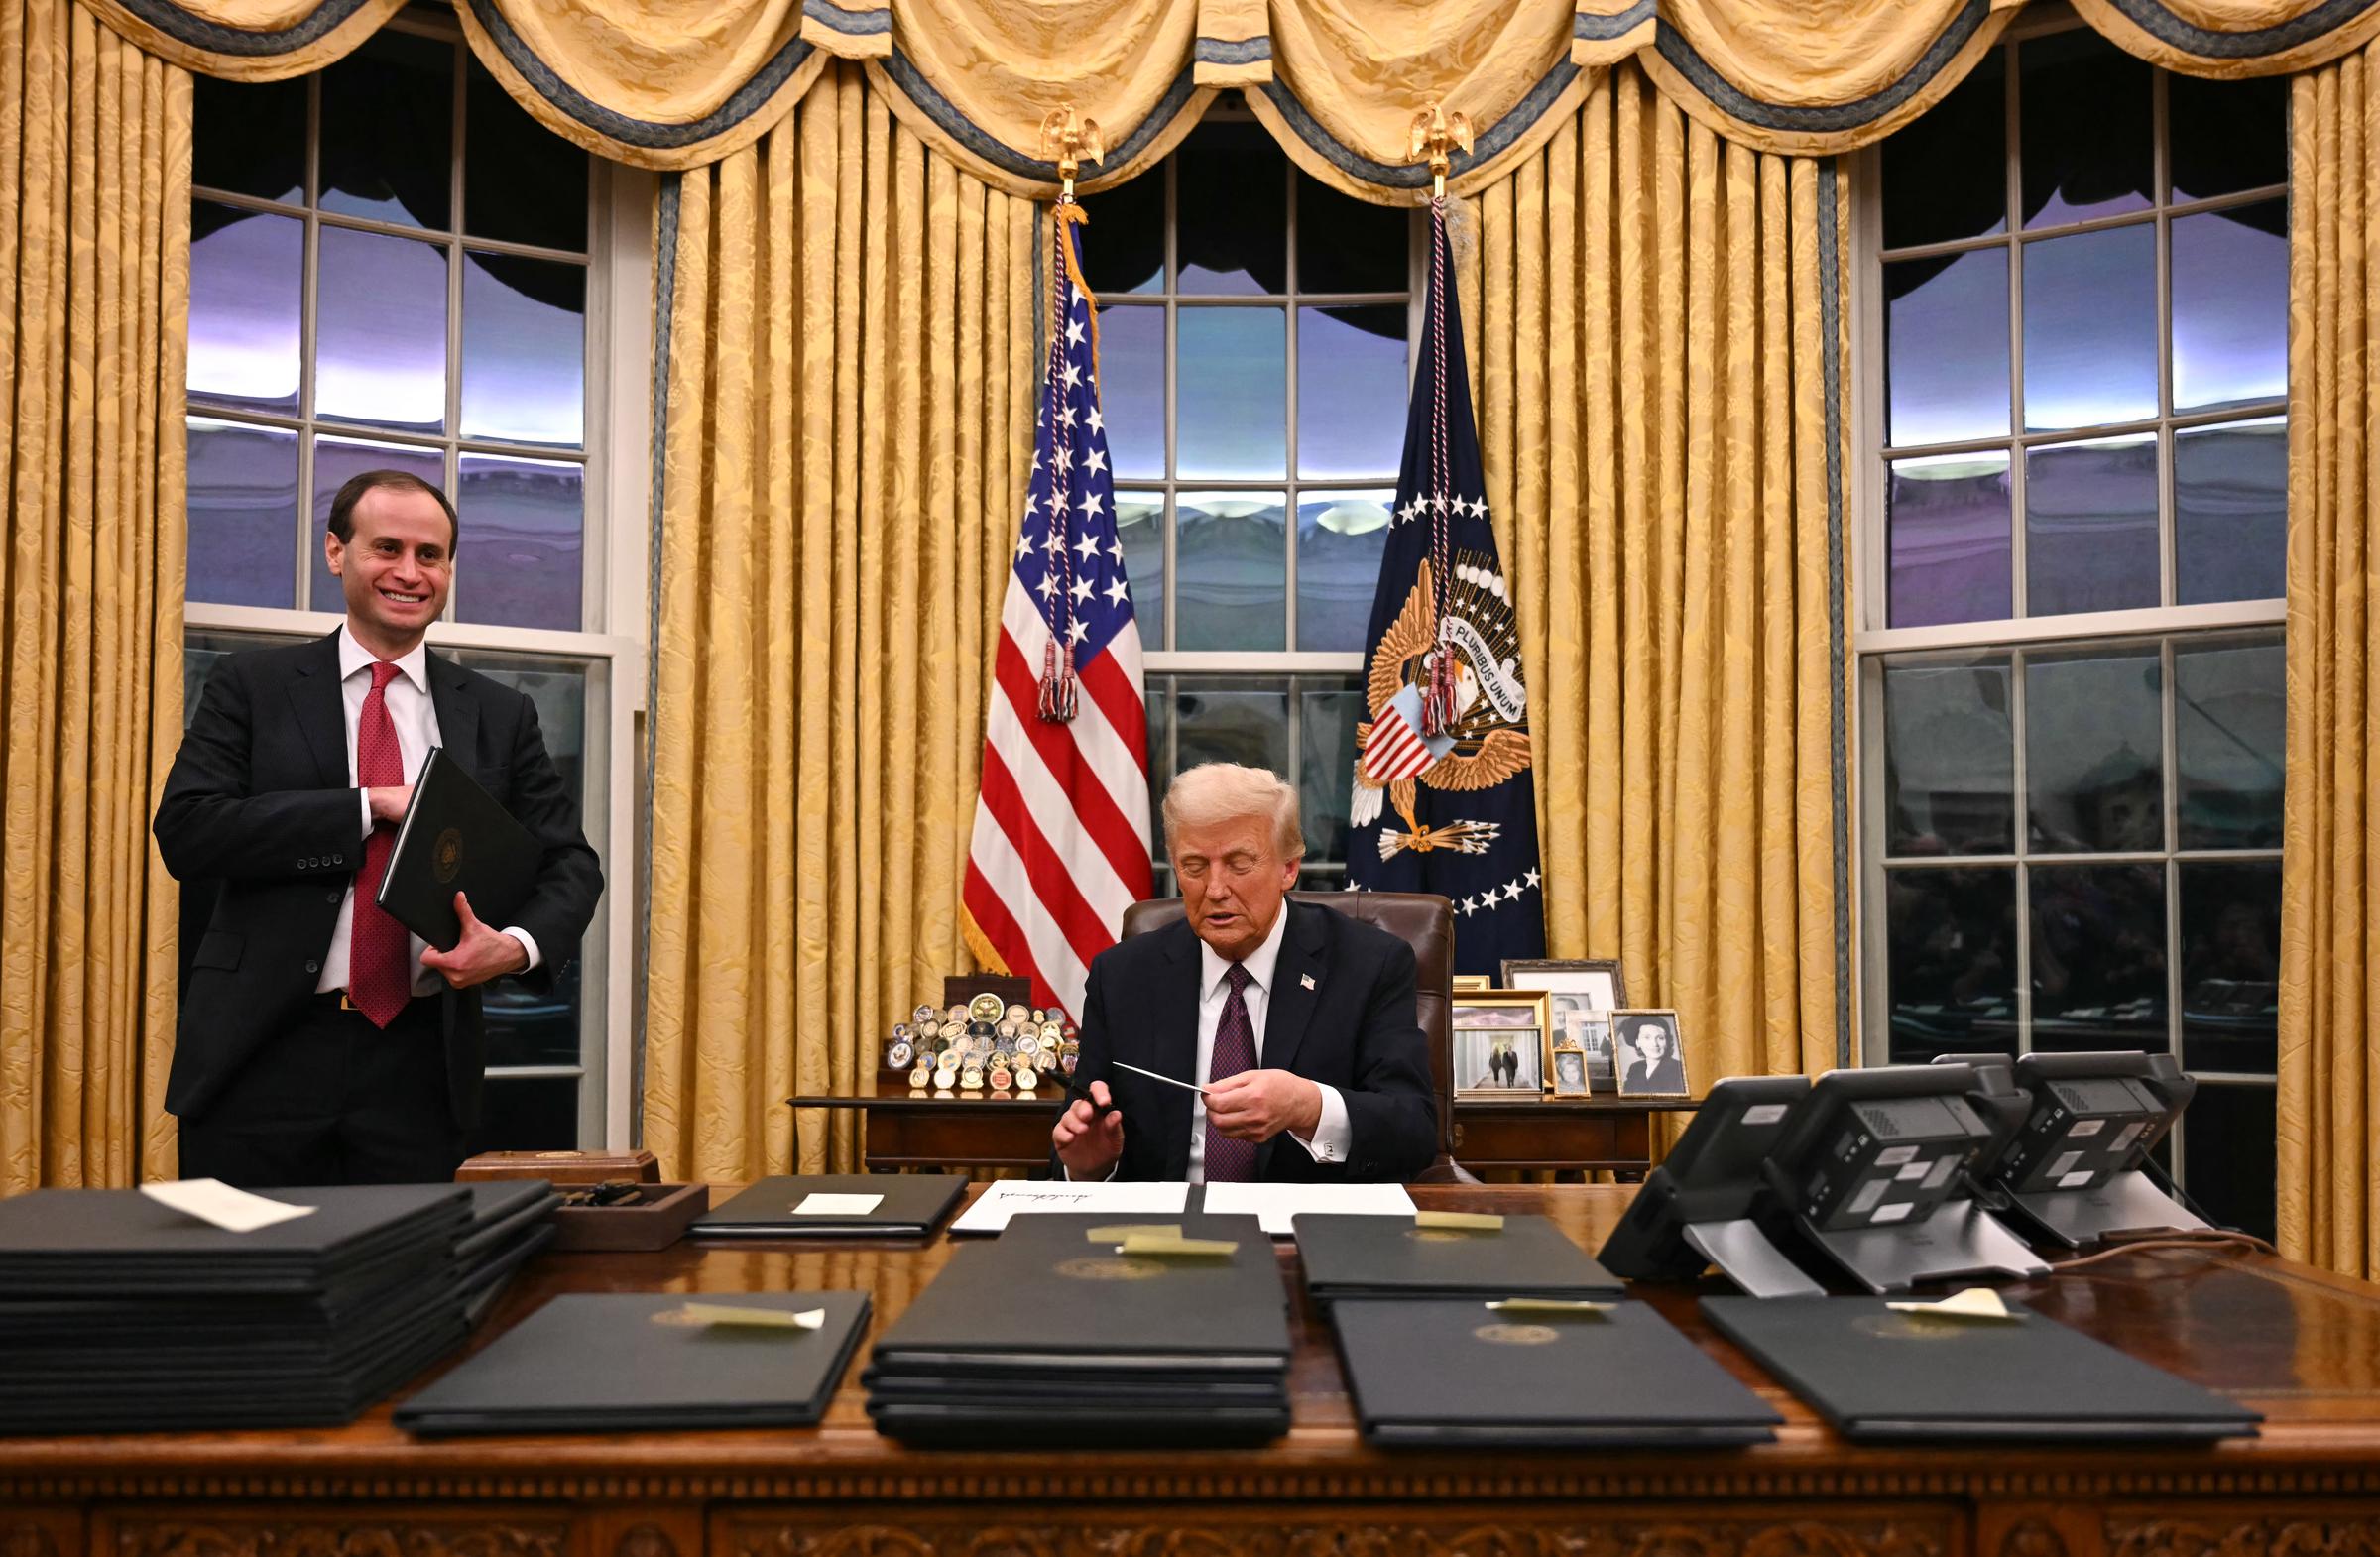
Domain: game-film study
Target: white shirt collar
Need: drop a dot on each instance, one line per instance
(1259, 963)
(413, 664)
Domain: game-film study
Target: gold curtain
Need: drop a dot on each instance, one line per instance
(1659, 322)
(851, 351)
(94, 292)
(2329, 1187)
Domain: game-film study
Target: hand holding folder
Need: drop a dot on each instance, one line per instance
(455, 840)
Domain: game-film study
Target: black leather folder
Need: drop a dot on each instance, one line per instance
(1388, 1257)
(598, 1361)
(455, 838)
(1883, 1376)
(909, 1205)
(1452, 1372)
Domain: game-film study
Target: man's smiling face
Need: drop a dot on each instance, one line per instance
(397, 567)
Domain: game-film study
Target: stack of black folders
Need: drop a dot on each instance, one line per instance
(1500, 1331)
(1087, 1330)
(121, 1313)
(511, 1219)
(614, 1361)
(1882, 1375)
(835, 1205)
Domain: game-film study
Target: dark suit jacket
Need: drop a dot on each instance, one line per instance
(259, 799)
(1356, 1029)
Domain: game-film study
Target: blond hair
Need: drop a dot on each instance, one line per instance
(1215, 793)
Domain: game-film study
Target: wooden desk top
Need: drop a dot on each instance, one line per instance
(896, 1094)
(2300, 1347)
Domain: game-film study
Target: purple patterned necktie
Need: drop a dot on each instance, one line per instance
(1230, 1162)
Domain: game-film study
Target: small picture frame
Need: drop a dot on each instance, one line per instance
(1499, 1044)
(1569, 1075)
(1577, 1026)
(1462, 982)
(1597, 978)
(1648, 1054)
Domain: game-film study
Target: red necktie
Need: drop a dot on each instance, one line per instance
(379, 978)
(1230, 1162)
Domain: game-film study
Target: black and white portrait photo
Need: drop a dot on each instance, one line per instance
(1570, 1073)
(1650, 1060)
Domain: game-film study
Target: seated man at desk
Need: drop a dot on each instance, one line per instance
(1296, 1023)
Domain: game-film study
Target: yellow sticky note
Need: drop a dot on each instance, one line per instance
(1121, 1230)
(756, 1318)
(1976, 1303)
(1552, 1307)
(1178, 1248)
(1463, 1221)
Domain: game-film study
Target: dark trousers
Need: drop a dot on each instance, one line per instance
(333, 1100)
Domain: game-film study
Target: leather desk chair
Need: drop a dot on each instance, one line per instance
(1424, 922)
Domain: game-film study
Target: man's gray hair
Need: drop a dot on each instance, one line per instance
(1215, 793)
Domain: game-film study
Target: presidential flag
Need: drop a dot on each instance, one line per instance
(1444, 802)
(1060, 845)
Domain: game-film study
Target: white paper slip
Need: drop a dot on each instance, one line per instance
(212, 1201)
(1976, 1302)
(1274, 1204)
(695, 1313)
(826, 1205)
(1010, 1197)
(1154, 1076)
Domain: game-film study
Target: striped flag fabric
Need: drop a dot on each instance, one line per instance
(1061, 841)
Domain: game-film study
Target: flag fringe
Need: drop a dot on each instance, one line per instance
(981, 944)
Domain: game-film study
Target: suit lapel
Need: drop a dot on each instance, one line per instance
(1177, 1040)
(1290, 1005)
(458, 713)
(315, 696)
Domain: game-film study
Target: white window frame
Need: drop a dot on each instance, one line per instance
(612, 648)
(2164, 626)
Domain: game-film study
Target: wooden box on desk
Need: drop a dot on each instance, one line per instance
(562, 1167)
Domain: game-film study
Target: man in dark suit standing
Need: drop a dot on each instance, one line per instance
(1299, 1023)
(319, 1043)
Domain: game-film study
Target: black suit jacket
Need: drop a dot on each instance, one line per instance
(259, 799)
(1356, 1029)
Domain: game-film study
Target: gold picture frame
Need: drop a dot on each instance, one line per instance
(1462, 983)
(1501, 1044)
(1568, 975)
(1664, 1076)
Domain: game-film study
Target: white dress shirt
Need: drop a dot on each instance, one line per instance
(1332, 1133)
(416, 722)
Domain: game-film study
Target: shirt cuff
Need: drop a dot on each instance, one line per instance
(364, 797)
(1334, 1135)
(528, 944)
(1103, 1178)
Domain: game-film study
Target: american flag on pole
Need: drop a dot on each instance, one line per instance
(1061, 827)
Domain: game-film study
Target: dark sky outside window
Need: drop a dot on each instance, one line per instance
(1949, 540)
(1231, 393)
(380, 350)
(247, 279)
(1946, 335)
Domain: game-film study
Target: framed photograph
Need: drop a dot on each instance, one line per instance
(1471, 981)
(1499, 1044)
(1570, 1073)
(1645, 1050)
(1595, 977)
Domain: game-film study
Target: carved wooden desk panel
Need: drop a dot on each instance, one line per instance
(2303, 1348)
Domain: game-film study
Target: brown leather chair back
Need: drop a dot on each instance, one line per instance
(1424, 922)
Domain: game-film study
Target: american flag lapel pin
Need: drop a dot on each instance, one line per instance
(1306, 979)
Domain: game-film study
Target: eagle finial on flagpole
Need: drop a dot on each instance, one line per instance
(1435, 135)
(1070, 141)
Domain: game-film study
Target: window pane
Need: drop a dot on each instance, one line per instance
(522, 182)
(2094, 769)
(1131, 390)
(380, 308)
(1234, 168)
(243, 494)
(249, 139)
(2083, 119)
(2230, 965)
(2091, 328)
(1123, 243)
(1349, 245)
(1951, 962)
(335, 460)
(526, 1114)
(388, 131)
(1945, 175)
(2090, 525)
(247, 291)
(1140, 526)
(1948, 530)
(1946, 348)
(2228, 738)
(1350, 391)
(525, 350)
(1230, 722)
(1341, 539)
(520, 559)
(1231, 395)
(1950, 765)
(2098, 957)
(2229, 1149)
(1231, 584)
(2226, 136)
(2231, 307)
(1325, 760)
(2231, 512)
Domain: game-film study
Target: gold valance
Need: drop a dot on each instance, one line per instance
(680, 83)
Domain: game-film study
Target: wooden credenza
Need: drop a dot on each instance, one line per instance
(2302, 1346)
